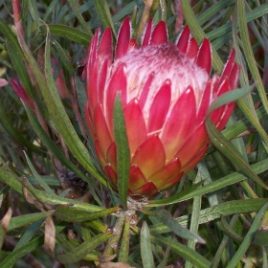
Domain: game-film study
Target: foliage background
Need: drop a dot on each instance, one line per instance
(56, 208)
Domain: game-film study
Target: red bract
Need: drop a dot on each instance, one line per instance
(166, 90)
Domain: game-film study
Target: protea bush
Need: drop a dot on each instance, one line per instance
(166, 91)
(133, 134)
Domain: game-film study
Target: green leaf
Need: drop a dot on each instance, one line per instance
(224, 30)
(71, 214)
(186, 253)
(248, 238)
(197, 202)
(16, 55)
(246, 104)
(80, 252)
(52, 146)
(225, 147)
(201, 190)
(46, 198)
(70, 33)
(261, 238)
(103, 11)
(38, 178)
(57, 112)
(2, 236)
(76, 10)
(213, 10)
(8, 124)
(216, 212)
(15, 255)
(146, 247)
(29, 234)
(124, 11)
(124, 247)
(248, 51)
(229, 97)
(122, 152)
(27, 219)
(165, 217)
(9, 178)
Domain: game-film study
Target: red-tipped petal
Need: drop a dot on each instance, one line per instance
(147, 189)
(136, 178)
(150, 156)
(123, 38)
(193, 143)
(160, 34)
(216, 115)
(147, 33)
(92, 88)
(159, 107)
(179, 123)
(93, 50)
(233, 78)
(183, 40)
(170, 170)
(101, 131)
(225, 116)
(103, 69)
(229, 65)
(117, 85)
(195, 159)
(204, 103)
(106, 44)
(204, 56)
(111, 174)
(173, 180)
(145, 90)
(192, 48)
(89, 119)
(135, 125)
(91, 71)
(20, 92)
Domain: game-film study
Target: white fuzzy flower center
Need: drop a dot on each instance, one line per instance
(166, 63)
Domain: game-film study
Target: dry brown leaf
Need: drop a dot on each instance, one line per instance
(6, 219)
(50, 235)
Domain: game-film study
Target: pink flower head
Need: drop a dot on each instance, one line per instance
(166, 90)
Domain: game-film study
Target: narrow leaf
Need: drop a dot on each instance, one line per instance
(15, 255)
(37, 177)
(216, 212)
(166, 218)
(248, 238)
(122, 152)
(188, 254)
(83, 249)
(248, 51)
(225, 147)
(70, 214)
(146, 247)
(70, 33)
(27, 219)
(124, 247)
(103, 10)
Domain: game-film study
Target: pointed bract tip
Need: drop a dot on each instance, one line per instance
(183, 39)
(204, 55)
(160, 33)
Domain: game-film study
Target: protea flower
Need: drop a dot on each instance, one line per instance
(166, 90)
